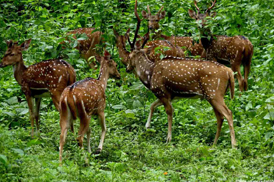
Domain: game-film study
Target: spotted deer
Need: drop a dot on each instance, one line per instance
(184, 78)
(236, 50)
(87, 48)
(186, 43)
(45, 79)
(84, 99)
(154, 49)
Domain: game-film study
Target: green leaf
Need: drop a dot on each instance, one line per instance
(118, 107)
(24, 111)
(136, 104)
(248, 106)
(12, 100)
(18, 151)
(3, 159)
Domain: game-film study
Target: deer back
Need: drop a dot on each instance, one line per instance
(186, 43)
(52, 74)
(86, 96)
(154, 49)
(188, 77)
(228, 48)
(87, 47)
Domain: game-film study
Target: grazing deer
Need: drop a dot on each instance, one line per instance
(45, 79)
(84, 99)
(88, 47)
(236, 50)
(186, 43)
(183, 77)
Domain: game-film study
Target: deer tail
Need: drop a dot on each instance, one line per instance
(231, 83)
(66, 109)
(72, 75)
(71, 104)
(248, 53)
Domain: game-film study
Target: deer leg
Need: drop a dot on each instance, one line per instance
(31, 112)
(220, 120)
(246, 72)
(88, 140)
(237, 68)
(84, 127)
(153, 106)
(169, 112)
(36, 113)
(56, 98)
(101, 116)
(65, 119)
(224, 111)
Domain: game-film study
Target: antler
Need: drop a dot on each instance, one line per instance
(137, 28)
(213, 4)
(160, 10)
(195, 3)
(148, 10)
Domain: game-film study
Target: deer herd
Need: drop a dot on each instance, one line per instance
(176, 75)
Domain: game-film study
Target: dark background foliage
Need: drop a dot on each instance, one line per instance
(132, 153)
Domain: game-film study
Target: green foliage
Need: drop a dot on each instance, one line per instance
(130, 152)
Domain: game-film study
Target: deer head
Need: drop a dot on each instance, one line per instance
(13, 54)
(121, 39)
(110, 64)
(136, 46)
(201, 16)
(153, 20)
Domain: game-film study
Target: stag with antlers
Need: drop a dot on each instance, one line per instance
(45, 79)
(183, 77)
(84, 99)
(237, 50)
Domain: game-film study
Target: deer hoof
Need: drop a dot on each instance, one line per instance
(147, 126)
(168, 139)
(98, 151)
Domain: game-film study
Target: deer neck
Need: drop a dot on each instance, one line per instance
(123, 53)
(104, 75)
(144, 68)
(18, 70)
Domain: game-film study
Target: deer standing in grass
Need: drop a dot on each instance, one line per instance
(183, 77)
(236, 50)
(186, 43)
(84, 99)
(87, 48)
(45, 79)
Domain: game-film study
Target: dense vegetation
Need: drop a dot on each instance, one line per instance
(132, 153)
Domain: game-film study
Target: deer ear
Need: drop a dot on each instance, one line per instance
(145, 14)
(162, 14)
(25, 45)
(138, 45)
(107, 55)
(9, 43)
(192, 14)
